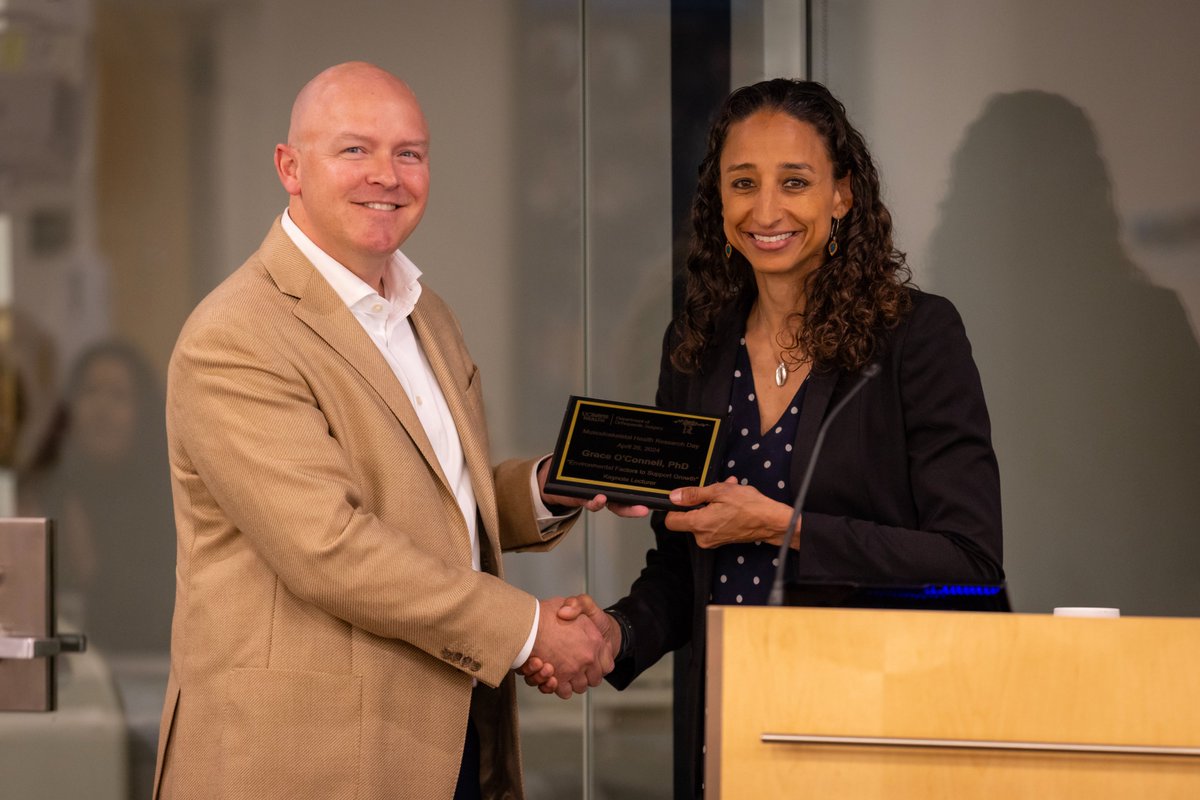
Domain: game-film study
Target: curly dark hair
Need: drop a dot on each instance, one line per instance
(858, 294)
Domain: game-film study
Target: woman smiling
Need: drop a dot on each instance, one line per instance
(794, 288)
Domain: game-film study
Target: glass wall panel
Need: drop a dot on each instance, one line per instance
(1038, 159)
(138, 175)
(627, 137)
(545, 332)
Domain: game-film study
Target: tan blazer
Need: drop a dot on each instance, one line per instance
(328, 624)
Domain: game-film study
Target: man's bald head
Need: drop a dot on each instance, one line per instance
(316, 96)
(356, 165)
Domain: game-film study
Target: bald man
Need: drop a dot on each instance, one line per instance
(342, 628)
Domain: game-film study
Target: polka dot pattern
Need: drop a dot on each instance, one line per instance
(743, 572)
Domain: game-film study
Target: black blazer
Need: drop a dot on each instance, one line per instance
(906, 488)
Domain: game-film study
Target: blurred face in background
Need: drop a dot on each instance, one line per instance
(104, 410)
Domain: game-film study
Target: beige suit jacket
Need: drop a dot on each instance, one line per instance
(328, 624)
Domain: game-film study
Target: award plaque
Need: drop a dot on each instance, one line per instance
(631, 453)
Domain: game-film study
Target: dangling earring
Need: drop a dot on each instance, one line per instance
(832, 247)
(728, 250)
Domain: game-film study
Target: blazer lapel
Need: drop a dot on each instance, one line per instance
(816, 401)
(713, 395)
(319, 307)
(710, 395)
(432, 335)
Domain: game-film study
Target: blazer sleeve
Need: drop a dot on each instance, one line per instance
(934, 512)
(659, 605)
(519, 529)
(258, 465)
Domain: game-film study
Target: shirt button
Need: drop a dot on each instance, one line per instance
(377, 307)
(420, 401)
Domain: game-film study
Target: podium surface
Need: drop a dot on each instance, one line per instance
(846, 703)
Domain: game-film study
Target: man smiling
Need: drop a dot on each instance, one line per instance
(341, 625)
(357, 168)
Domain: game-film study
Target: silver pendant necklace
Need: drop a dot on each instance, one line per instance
(781, 373)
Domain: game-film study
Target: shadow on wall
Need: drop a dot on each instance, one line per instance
(1092, 374)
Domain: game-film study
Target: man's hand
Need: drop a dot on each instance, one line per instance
(568, 654)
(595, 504)
(542, 674)
(583, 604)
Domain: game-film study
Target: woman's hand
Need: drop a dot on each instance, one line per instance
(734, 513)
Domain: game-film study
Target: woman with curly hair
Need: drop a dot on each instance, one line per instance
(793, 288)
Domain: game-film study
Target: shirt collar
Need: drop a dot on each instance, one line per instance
(401, 278)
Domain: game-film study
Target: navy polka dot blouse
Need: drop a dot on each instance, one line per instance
(743, 572)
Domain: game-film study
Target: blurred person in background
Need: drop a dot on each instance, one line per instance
(101, 476)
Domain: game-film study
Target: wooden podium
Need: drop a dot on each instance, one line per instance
(841, 703)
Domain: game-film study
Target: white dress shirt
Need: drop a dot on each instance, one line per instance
(386, 320)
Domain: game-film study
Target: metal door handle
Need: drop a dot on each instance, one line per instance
(27, 647)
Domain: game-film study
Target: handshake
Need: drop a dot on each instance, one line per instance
(574, 648)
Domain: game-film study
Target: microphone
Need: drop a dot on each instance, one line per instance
(776, 596)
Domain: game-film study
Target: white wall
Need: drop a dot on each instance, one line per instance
(1039, 160)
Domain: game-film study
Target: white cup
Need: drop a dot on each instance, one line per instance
(1086, 611)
